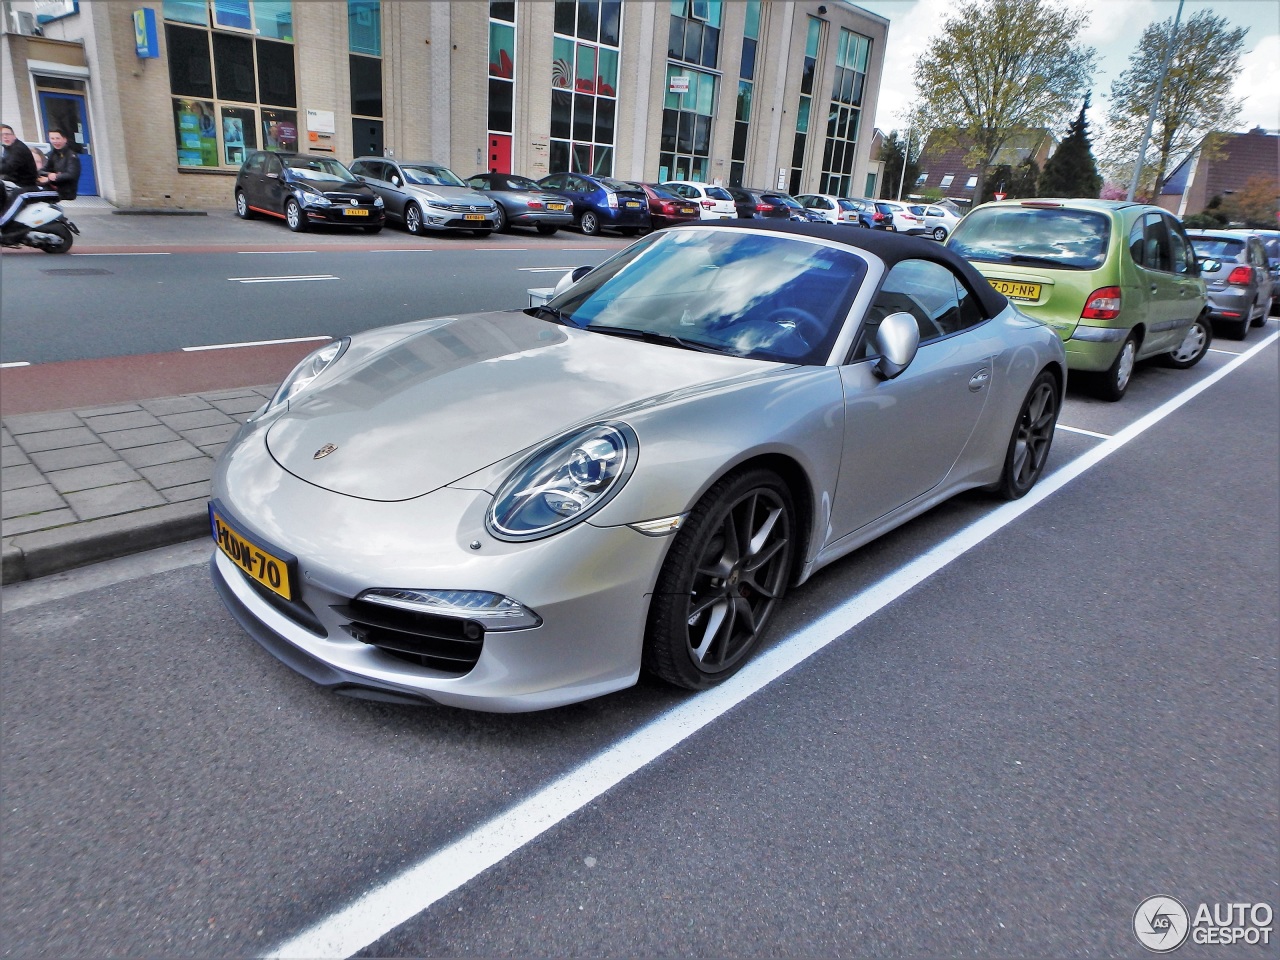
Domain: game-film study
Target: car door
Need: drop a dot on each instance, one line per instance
(1261, 269)
(252, 179)
(274, 188)
(1157, 290)
(376, 174)
(902, 436)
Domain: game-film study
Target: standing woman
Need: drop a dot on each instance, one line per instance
(62, 168)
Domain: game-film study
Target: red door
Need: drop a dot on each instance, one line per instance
(499, 153)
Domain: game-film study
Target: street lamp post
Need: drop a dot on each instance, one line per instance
(906, 156)
(1155, 104)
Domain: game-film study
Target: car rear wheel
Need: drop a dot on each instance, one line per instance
(1031, 439)
(1112, 384)
(725, 572)
(547, 229)
(413, 220)
(939, 233)
(1193, 346)
(1239, 330)
(590, 224)
(500, 224)
(294, 217)
(242, 206)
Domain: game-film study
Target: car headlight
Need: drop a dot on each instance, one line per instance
(312, 365)
(492, 611)
(564, 483)
(313, 197)
(377, 202)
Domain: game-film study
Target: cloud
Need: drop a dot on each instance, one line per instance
(1257, 85)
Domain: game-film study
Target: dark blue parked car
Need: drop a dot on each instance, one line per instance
(601, 203)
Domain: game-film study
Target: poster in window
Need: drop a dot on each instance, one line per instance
(197, 133)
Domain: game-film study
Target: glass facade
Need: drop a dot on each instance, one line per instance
(746, 90)
(692, 94)
(845, 114)
(584, 86)
(364, 45)
(232, 78)
(813, 40)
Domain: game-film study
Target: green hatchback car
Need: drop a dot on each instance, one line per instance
(1118, 281)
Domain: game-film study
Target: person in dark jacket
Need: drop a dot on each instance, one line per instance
(61, 167)
(17, 165)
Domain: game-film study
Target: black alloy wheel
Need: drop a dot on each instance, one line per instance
(1031, 438)
(725, 572)
(295, 216)
(500, 225)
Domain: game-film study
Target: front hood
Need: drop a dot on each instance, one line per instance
(331, 188)
(450, 194)
(469, 391)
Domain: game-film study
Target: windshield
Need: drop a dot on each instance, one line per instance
(319, 168)
(735, 292)
(719, 193)
(663, 193)
(1217, 247)
(431, 175)
(1072, 239)
(617, 185)
(846, 205)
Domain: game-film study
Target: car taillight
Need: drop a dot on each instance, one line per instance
(535, 204)
(1103, 304)
(668, 206)
(610, 198)
(1240, 275)
(708, 204)
(764, 207)
(877, 217)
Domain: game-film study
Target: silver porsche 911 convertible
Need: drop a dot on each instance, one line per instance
(516, 510)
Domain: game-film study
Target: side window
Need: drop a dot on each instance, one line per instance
(578, 185)
(256, 163)
(1158, 256)
(1179, 248)
(274, 165)
(480, 182)
(1256, 256)
(1137, 246)
(927, 291)
(555, 182)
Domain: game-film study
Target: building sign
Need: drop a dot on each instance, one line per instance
(46, 10)
(320, 130)
(679, 85)
(144, 34)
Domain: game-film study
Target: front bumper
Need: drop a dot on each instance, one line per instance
(338, 216)
(438, 218)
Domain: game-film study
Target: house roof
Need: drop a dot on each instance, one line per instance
(936, 164)
(1244, 155)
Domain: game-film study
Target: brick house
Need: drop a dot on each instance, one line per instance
(1196, 181)
(946, 169)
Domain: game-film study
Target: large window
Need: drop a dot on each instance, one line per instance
(812, 41)
(502, 66)
(693, 43)
(364, 45)
(746, 90)
(232, 77)
(845, 113)
(584, 86)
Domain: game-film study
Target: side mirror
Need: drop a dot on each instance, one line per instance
(395, 181)
(570, 278)
(1209, 265)
(898, 338)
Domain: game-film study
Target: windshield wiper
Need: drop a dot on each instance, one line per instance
(551, 313)
(652, 336)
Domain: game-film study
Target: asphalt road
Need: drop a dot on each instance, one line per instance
(1076, 713)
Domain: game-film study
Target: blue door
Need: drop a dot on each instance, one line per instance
(66, 111)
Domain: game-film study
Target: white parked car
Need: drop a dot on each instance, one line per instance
(939, 221)
(832, 209)
(714, 203)
(904, 220)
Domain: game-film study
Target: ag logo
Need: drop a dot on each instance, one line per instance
(1161, 924)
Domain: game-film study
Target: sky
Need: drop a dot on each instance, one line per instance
(1115, 26)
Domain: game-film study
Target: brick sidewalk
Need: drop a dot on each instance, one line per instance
(80, 486)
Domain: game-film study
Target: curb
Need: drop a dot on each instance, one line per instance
(32, 555)
(157, 212)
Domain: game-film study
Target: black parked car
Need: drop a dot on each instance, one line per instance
(302, 190)
(755, 203)
(522, 203)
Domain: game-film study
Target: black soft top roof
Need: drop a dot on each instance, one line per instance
(889, 247)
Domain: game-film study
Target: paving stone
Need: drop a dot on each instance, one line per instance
(171, 452)
(168, 405)
(38, 422)
(23, 475)
(176, 474)
(107, 411)
(38, 521)
(208, 435)
(90, 453)
(19, 503)
(188, 491)
(197, 418)
(6, 438)
(236, 406)
(109, 501)
(56, 439)
(213, 449)
(140, 437)
(120, 421)
(264, 391)
(87, 478)
(13, 456)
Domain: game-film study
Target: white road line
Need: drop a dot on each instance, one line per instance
(504, 249)
(1087, 433)
(1230, 353)
(316, 276)
(417, 888)
(161, 253)
(271, 253)
(544, 269)
(251, 343)
(405, 250)
(578, 249)
(15, 363)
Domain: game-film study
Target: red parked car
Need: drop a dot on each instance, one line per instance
(666, 208)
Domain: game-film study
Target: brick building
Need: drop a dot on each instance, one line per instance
(168, 96)
(946, 168)
(1241, 157)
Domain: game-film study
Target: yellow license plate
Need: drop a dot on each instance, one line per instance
(633, 203)
(473, 216)
(555, 206)
(1017, 289)
(688, 211)
(356, 212)
(266, 568)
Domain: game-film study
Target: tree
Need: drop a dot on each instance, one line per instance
(891, 154)
(1072, 171)
(1255, 204)
(1196, 100)
(1000, 66)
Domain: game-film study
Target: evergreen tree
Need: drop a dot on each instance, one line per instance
(1072, 171)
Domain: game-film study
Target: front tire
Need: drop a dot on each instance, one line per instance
(242, 207)
(501, 224)
(1193, 347)
(295, 217)
(940, 234)
(63, 233)
(1031, 439)
(1112, 384)
(725, 572)
(413, 220)
(590, 224)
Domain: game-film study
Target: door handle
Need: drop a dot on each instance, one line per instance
(979, 379)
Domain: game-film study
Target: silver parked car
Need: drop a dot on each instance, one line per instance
(514, 510)
(1234, 266)
(426, 196)
(522, 203)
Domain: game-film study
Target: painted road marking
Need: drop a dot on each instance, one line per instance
(316, 276)
(163, 253)
(271, 252)
(545, 269)
(15, 363)
(1087, 433)
(1230, 353)
(251, 343)
(502, 249)
(403, 897)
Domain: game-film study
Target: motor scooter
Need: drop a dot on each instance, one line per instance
(34, 219)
